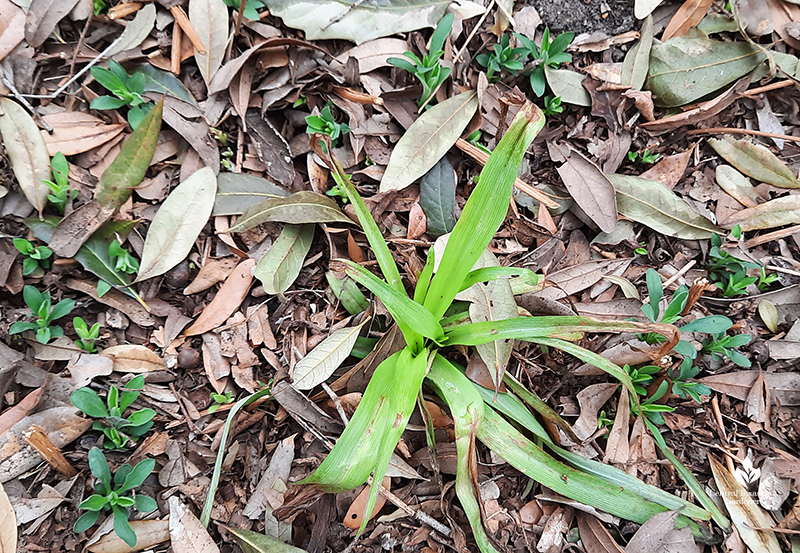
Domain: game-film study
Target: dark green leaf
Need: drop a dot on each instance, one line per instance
(122, 527)
(85, 521)
(138, 475)
(99, 466)
(163, 82)
(438, 198)
(89, 402)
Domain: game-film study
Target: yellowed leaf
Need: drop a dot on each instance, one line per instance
(132, 358)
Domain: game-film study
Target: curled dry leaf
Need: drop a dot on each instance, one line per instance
(135, 31)
(133, 358)
(744, 510)
(774, 213)
(178, 224)
(148, 533)
(75, 132)
(61, 424)
(754, 160)
(213, 272)
(227, 300)
(687, 16)
(26, 151)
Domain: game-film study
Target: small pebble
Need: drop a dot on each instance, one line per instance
(179, 276)
(189, 358)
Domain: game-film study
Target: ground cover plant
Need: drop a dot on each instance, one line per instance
(332, 276)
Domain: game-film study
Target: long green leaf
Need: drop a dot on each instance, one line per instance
(205, 516)
(485, 210)
(369, 439)
(412, 318)
(466, 409)
(525, 456)
(368, 224)
(493, 273)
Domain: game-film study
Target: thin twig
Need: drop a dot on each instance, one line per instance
(770, 236)
(80, 44)
(21, 97)
(753, 132)
(337, 403)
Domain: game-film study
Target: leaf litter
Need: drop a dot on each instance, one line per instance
(247, 240)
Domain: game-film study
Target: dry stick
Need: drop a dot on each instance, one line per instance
(336, 402)
(460, 51)
(679, 274)
(770, 236)
(21, 97)
(80, 44)
(782, 270)
(482, 157)
(729, 130)
(183, 409)
(77, 75)
(177, 50)
(183, 20)
(767, 88)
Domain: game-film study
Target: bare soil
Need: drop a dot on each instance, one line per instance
(587, 16)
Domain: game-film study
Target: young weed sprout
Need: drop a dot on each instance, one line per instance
(44, 313)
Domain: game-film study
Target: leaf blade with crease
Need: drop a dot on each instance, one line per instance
(771, 214)
(320, 363)
(303, 207)
(755, 161)
(279, 267)
(210, 19)
(656, 206)
(568, 85)
(637, 60)
(588, 186)
(27, 152)
(163, 82)
(136, 31)
(427, 140)
(238, 191)
(437, 197)
(177, 224)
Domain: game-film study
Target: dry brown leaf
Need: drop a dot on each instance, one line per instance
(687, 16)
(659, 535)
(669, 170)
(8, 524)
(553, 536)
(595, 537)
(617, 446)
(133, 358)
(85, 366)
(116, 299)
(12, 28)
(771, 214)
(186, 532)
(214, 271)
(19, 411)
(61, 424)
(744, 511)
(591, 399)
(784, 388)
(227, 300)
(148, 533)
(76, 132)
(417, 222)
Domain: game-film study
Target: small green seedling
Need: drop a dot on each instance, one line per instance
(124, 262)
(220, 400)
(119, 430)
(40, 304)
(502, 58)
(552, 54)
(603, 421)
(552, 106)
(301, 101)
(721, 345)
(325, 123)
(473, 139)
(34, 257)
(428, 71)
(127, 91)
(681, 386)
(652, 310)
(641, 377)
(640, 251)
(643, 157)
(730, 272)
(87, 337)
(98, 6)
(652, 410)
(115, 495)
(61, 193)
(250, 9)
